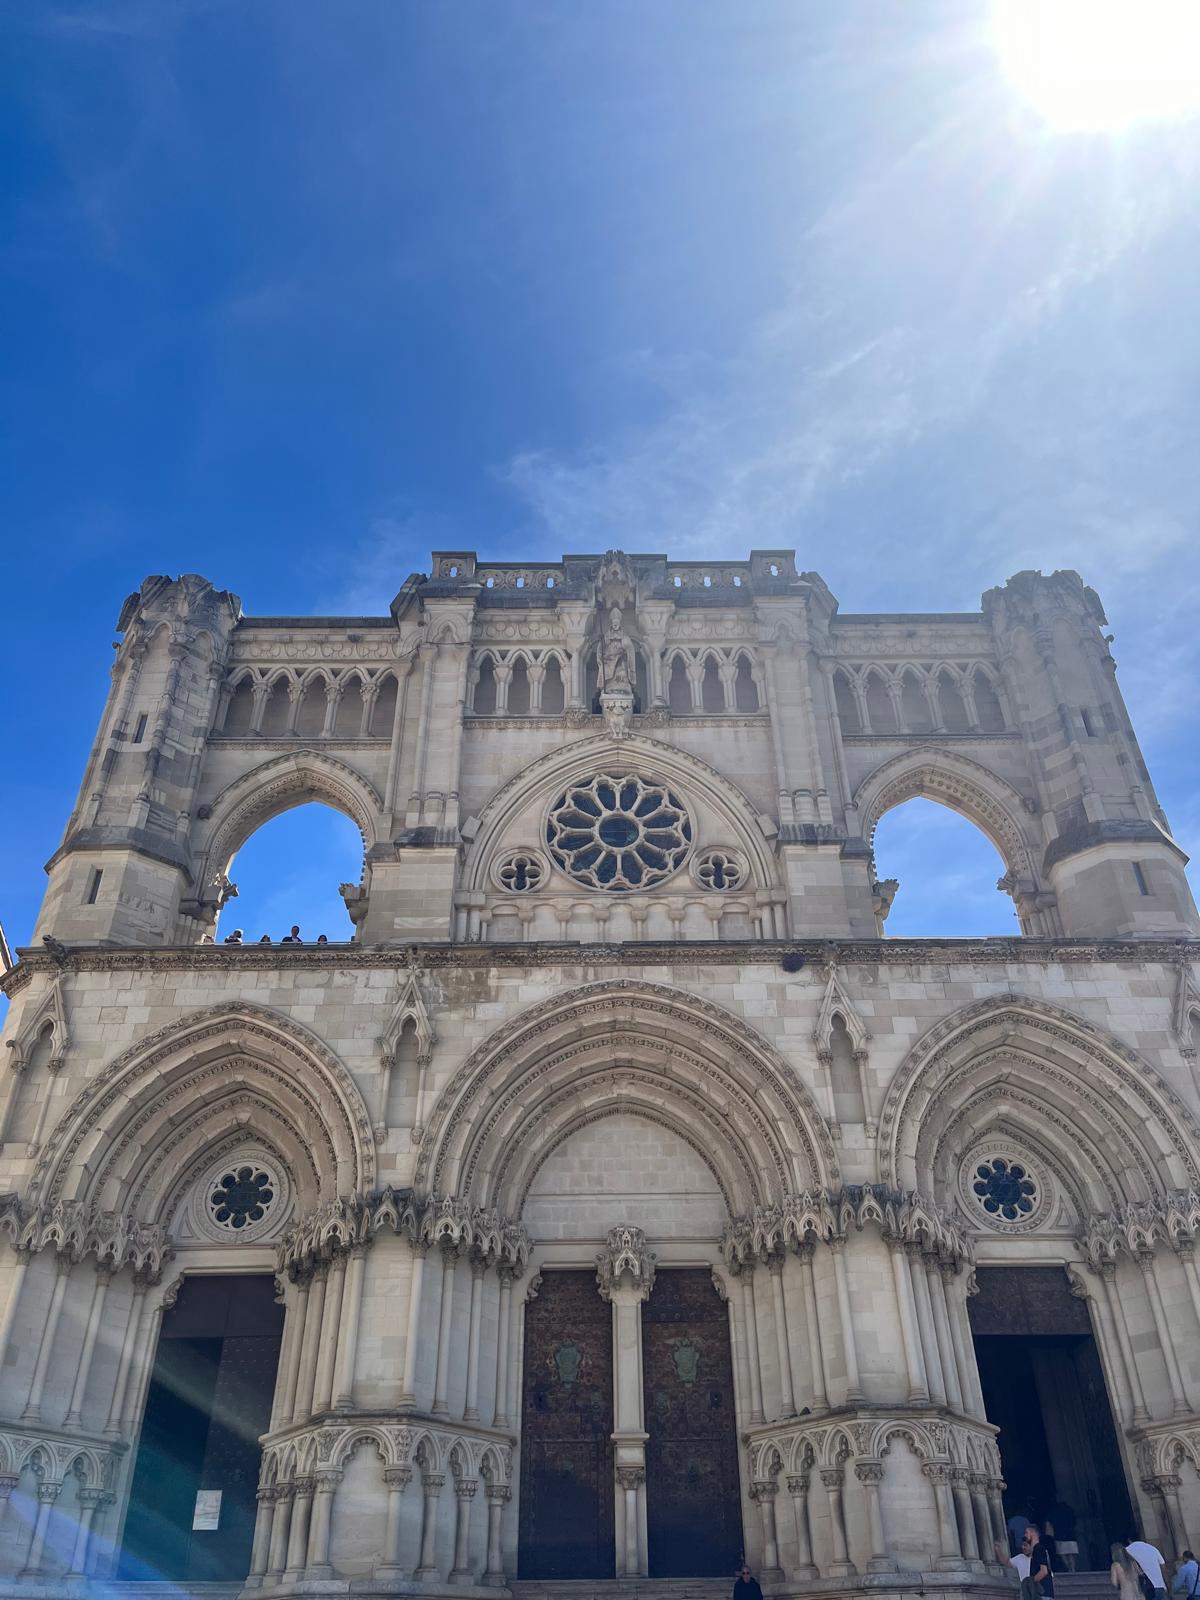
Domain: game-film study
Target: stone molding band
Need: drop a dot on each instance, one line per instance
(829, 1216)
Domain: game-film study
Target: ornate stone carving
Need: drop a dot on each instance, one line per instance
(625, 1263)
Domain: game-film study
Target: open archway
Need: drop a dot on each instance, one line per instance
(947, 871)
(289, 873)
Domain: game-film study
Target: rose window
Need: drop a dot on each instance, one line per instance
(1004, 1189)
(719, 869)
(520, 873)
(619, 831)
(241, 1197)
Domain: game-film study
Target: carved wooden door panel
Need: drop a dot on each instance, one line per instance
(566, 1524)
(693, 1496)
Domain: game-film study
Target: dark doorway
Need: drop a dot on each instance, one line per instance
(567, 1492)
(1043, 1387)
(693, 1497)
(209, 1400)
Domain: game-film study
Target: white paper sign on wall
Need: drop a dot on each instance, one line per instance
(206, 1518)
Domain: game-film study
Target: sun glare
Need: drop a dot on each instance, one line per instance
(1096, 64)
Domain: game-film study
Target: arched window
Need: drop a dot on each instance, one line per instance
(310, 719)
(641, 690)
(348, 720)
(591, 682)
(947, 871)
(745, 689)
(241, 708)
(400, 1111)
(988, 709)
(554, 697)
(880, 709)
(844, 1073)
(914, 708)
(847, 705)
(485, 689)
(518, 689)
(951, 708)
(278, 708)
(712, 690)
(679, 689)
(383, 712)
(289, 871)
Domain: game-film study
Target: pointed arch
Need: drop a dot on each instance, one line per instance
(836, 1002)
(174, 1095)
(1114, 1129)
(603, 1048)
(50, 1013)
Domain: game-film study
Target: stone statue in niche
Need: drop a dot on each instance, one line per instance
(616, 656)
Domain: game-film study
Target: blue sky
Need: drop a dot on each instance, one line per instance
(294, 292)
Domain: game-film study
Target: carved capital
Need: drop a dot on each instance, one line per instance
(833, 1477)
(869, 1471)
(625, 1262)
(631, 1477)
(797, 1485)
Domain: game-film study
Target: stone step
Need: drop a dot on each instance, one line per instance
(621, 1588)
(1083, 1585)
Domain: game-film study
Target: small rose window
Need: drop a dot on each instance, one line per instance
(619, 831)
(520, 873)
(240, 1197)
(720, 869)
(1004, 1189)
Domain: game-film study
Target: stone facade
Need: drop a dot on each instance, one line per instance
(618, 999)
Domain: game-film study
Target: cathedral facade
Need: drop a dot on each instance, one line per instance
(619, 1200)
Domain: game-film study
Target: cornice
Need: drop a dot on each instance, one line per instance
(819, 953)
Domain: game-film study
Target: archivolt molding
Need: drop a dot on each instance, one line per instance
(180, 1088)
(833, 1214)
(682, 1052)
(276, 786)
(796, 1449)
(679, 769)
(958, 782)
(1136, 1122)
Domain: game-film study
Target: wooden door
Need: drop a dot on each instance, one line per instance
(566, 1523)
(693, 1493)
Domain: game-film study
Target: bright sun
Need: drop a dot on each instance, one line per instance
(1092, 64)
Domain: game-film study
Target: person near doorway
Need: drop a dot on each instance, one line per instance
(1017, 1524)
(1187, 1576)
(1124, 1574)
(1150, 1559)
(745, 1585)
(1062, 1515)
(1041, 1579)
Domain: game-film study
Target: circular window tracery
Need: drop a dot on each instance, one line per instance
(521, 872)
(1004, 1189)
(619, 831)
(241, 1197)
(719, 869)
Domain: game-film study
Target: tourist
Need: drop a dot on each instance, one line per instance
(745, 1585)
(1040, 1580)
(1187, 1576)
(1066, 1543)
(235, 937)
(295, 934)
(1124, 1574)
(1150, 1559)
(266, 939)
(1017, 1524)
(322, 938)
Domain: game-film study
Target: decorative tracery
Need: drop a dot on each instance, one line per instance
(619, 831)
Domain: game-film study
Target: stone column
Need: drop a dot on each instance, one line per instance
(753, 1361)
(347, 1350)
(933, 1362)
(938, 1473)
(959, 1479)
(841, 1567)
(408, 1384)
(441, 1383)
(313, 1318)
(995, 1499)
(503, 1319)
(1116, 1312)
(389, 1569)
(1179, 1405)
(331, 1324)
(870, 1475)
(964, 1350)
(261, 1548)
(297, 1547)
(983, 1520)
(630, 1480)
(854, 1391)
(281, 1522)
(289, 1356)
(471, 1410)
(431, 1488)
(763, 1493)
(318, 1533)
(625, 1278)
(47, 1493)
(797, 1486)
(11, 1305)
(464, 1495)
(90, 1501)
(33, 1406)
(497, 1497)
(816, 1351)
(918, 1386)
(74, 1417)
(787, 1392)
(945, 1339)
